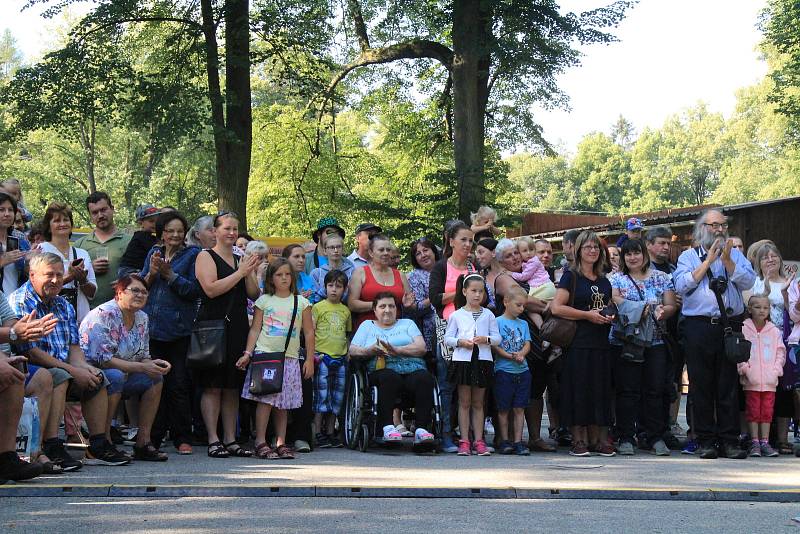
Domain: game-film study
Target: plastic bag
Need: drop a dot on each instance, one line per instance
(29, 428)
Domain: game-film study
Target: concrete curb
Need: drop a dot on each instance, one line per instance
(174, 491)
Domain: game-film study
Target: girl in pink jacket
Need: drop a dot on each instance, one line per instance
(759, 375)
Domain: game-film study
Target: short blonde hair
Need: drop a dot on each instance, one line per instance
(528, 240)
(483, 212)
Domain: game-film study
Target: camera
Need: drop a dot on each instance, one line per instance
(718, 284)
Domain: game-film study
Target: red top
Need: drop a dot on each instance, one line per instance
(371, 287)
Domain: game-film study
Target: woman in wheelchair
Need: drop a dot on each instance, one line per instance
(394, 350)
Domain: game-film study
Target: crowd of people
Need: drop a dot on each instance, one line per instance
(102, 332)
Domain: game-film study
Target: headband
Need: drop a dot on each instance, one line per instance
(473, 275)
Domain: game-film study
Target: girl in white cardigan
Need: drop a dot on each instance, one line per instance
(471, 329)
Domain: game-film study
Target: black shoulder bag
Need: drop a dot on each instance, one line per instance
(71, 293)
(266, 368)
(208, 342)
(737, 348)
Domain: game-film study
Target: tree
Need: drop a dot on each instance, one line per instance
(623, 133)
(10, 55)
(485, 62)
(602, 169)
(780, 23)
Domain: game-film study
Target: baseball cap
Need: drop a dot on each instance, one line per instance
(327, 222)
(634, 224)
(364, 227)
(146, 210)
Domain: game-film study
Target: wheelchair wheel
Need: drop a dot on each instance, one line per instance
(363, 438)
(354, 404)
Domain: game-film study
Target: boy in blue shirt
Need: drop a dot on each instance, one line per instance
(512, 379)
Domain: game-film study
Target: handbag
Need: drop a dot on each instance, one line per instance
(266, 368)
(441, 329)
(208, 342)
(558, 330)
(737, 348)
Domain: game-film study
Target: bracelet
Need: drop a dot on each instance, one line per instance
(247, 353)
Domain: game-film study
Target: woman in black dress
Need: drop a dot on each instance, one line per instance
(586, 396)
(227, 281)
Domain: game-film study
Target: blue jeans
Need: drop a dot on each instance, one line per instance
(445, 391)
(131, 385)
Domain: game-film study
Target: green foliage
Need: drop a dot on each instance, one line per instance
(780, 24)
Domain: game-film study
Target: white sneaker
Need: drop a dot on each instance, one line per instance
(390, 433)
(422, 436)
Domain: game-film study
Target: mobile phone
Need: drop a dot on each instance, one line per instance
(21, 366)
(77, 262)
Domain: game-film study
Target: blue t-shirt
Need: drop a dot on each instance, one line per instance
(400, 334)
(515, 333)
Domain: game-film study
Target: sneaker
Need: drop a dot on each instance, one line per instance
(488, 427)
(481, 449)
(521, 450)
(322, 441)
(301, 445)
(579, 449)
(690, 447)
(733, 451)
(754, 449)
(464, 448)
(390, 434)
(768, 451)
(335, 442)
(563, 437)
(677, 430)
(448, 446)
(625, 448)
(406, 433)
(660, 448)
(58, 455)
(12, 467)
(422, 436)
(505, 447)
(107, 455)
(605, 449)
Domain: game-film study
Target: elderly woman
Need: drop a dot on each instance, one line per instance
(174, 293)
(227, 282)
(640, 384)
(114, 336)
(394, 349)
(374, 278)
(79, 280)
(424, 255)
(774, 282)
(202, 233)
(585, 399)
(14, 245)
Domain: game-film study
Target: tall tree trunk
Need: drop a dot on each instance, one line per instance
(88, 136)
(233, 189)
(214, 92)
(471, 27)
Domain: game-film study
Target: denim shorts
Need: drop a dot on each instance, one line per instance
(511, 390)
(130, 385)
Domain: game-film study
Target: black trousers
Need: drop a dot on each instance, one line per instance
(175, 410)
(640, 394)
(301, 418)
(714, 383)
(418, 385)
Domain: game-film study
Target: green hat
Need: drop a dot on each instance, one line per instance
(327, 222)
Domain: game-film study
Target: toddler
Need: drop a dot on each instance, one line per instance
(535, 275)
(483, 223)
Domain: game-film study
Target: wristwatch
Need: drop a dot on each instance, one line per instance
(12, 335)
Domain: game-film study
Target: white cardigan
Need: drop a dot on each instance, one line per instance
(461, 325)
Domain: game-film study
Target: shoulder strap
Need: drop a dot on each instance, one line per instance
(574, 286)
(291, 325)
(641, 295)
(230, 293)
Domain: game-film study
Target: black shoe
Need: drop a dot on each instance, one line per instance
(733, 451)
(12, 467)
(116, 436)
(321, 441)
(106, 455)
(708, 452)
(563, 437)
(336, 443)
(58, 455)
(671, 441)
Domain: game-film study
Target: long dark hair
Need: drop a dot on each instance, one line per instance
(633, 245)
(5, 197)
(450, 232)
(422, 242)
(460, 300)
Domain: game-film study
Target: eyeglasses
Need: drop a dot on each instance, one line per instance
(717, 226)
(137, 292)
(335, 247)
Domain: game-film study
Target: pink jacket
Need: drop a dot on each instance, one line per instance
(767, 357)
(794, 315)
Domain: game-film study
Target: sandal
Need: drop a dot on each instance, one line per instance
(149, 453)
(264, 452)
(284, 452)
(235, 450)
(217, 450)
(49, 468)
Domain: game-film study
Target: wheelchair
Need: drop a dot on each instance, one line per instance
(361, 410)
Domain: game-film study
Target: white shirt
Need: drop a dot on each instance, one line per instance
(83, 302)
(461, 325)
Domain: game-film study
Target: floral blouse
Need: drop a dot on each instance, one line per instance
(419, 280)
(103, 335)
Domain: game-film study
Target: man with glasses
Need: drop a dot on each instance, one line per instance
(713, 265)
